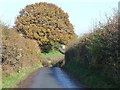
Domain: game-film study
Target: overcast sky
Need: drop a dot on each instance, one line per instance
(82, 13)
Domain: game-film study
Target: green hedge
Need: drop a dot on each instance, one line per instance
(99, 51)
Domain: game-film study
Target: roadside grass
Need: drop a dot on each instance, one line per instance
(88, 77)
(51, 58)
(13, 79)
(51, 54)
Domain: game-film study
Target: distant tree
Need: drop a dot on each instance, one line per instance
(46, 23)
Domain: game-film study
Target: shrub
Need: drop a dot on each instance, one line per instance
(99, 50)
(17, 52)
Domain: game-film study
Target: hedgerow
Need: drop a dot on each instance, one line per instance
(99, 50)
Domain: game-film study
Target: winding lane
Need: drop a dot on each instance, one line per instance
(52, 77)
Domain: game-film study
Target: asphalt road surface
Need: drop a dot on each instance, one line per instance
(47, 77)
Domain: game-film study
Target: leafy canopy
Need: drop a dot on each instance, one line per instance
(46, 23)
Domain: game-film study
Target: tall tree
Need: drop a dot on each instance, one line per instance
(46, 23)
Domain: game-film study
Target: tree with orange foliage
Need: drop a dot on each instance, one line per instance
(46, 23)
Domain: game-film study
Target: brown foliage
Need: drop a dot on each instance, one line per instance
(17, 52)
(46, 23)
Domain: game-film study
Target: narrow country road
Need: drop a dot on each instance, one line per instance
(47, 77)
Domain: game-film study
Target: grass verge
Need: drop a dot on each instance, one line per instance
(87, 77)
(51, 54)
(13, 79)
(51, 58)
